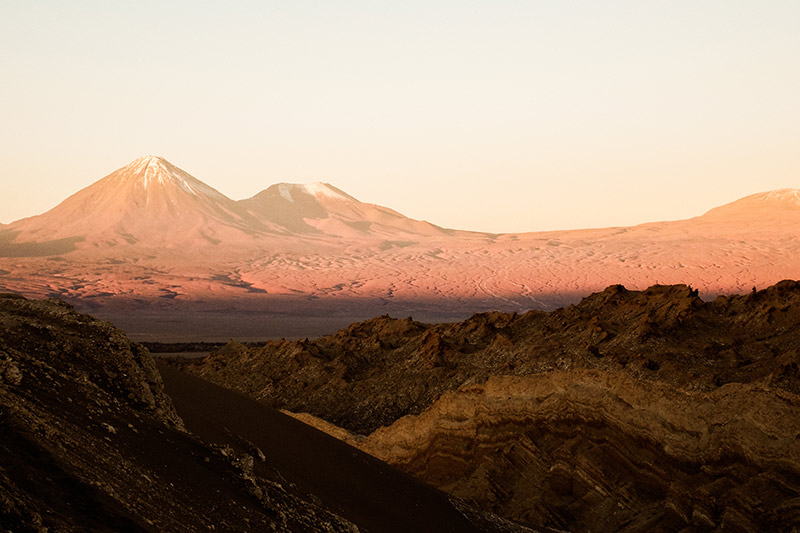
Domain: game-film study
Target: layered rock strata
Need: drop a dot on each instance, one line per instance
(633, 410)
(592, 450)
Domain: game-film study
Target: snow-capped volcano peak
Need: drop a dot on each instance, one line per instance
(151, 170)
(140, 201)
(150, 165)
(147, 160)
(321, 208)
(156, 169)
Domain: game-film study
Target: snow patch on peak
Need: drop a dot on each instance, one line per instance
(317, 190)
(284, 191)
(322, 189)
(156, 171)
(144, 162)
(782, 195)
(152, 170)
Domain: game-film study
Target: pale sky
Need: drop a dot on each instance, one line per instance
(502, 116)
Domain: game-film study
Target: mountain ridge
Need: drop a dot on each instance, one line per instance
(156, 168)
(150, 238)
(150, 199)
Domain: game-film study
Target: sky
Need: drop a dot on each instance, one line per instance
(502, 116)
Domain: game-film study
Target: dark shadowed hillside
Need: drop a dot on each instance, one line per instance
(90, 441)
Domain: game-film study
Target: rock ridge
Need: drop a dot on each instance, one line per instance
(643, 410)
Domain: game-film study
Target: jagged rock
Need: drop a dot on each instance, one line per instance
(9, 371)
(639, 410)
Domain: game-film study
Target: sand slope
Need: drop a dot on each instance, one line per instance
(355, 485)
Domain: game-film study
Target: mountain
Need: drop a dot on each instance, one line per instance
(150, 239)
(321, 208)
(152, 203)
(768, 210)
(149, 202)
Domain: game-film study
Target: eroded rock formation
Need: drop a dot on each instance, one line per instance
(593, 450)
(633, 410)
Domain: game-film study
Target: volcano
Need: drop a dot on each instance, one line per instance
(321, 208)
(153, 203)
(148, 201)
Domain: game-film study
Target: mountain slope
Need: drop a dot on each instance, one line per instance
(378, 497)
(89, 441)
(779, 209)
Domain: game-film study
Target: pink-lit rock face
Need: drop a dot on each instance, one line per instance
(151, 236)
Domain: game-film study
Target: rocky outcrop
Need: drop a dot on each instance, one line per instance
(374, 372)
(632, 410)
(89, 441)
(593, 450)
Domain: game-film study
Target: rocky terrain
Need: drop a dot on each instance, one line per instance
(93, 439)
(167, 257)
(632, 410)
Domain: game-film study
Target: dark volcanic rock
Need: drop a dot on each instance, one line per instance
(639, 410)
(90, 442)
